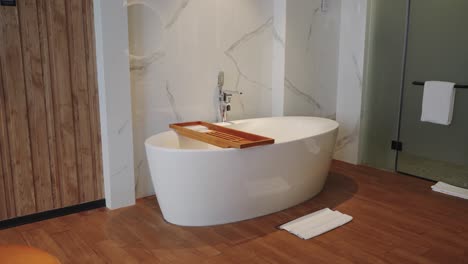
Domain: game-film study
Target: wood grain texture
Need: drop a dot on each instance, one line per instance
(7, 177)
(397, 219)
(81, 106)
(3, 194)
(50, 146)
(35, 95)
(93, 93)
(49, 101)
(63, 102)
(11, 58)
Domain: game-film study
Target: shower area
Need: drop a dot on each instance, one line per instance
(410, 42)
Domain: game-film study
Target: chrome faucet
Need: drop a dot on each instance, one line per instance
(224, 97)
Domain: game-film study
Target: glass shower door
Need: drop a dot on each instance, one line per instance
(437, 50)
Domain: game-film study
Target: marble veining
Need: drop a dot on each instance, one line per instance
(350, 83)
(229, 52)
(138, 175)
(348, 137)
(172, 102)
(120, 170)
(122, 127)
(311, 30)
(357, 71)
(277, 37)
(140, 63)
(245, 38)
(344, 140)
(311, 67)
(289, 85)
(177, 13)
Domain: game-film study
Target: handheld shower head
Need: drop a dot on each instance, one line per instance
(220, 79)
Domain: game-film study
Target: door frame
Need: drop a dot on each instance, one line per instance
(403, 81)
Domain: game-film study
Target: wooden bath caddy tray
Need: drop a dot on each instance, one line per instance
(221, 136)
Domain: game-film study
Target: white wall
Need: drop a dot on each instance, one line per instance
(177, 48)
(312, 42)
(110, 19)
(350, 80)
(279, 57)
(324, 66)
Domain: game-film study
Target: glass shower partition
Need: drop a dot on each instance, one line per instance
(437, 50)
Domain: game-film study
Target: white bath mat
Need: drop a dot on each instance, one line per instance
(316, 223)
(450, 190)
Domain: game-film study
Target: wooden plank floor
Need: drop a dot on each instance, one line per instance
(397, 219)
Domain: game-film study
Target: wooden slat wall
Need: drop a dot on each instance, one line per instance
(11, 58)
(80, 97)
(63, 104)
(35, 94)
(4, 210)
(93, 94)
(50, 146)
(44, 45)
(4, 155)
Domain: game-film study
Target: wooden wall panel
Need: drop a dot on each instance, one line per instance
(80, 98)
(93, 97)
(16, 112)
(35, 95)
(3, 203)
(4, 211)
(49, 101)
(50, 145)
(4, 152)
(63, 102)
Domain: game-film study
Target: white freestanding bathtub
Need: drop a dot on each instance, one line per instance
(198, 184)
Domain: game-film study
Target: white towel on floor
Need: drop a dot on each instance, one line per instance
(438, 101)
(450, 190)
(316, 223)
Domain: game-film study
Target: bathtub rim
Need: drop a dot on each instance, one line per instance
(164, 149)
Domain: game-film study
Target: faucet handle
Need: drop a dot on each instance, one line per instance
(227, 97)
(227, 94)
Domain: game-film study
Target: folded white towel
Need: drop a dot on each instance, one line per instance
(316, 223)
(438, 101)
(450, 190)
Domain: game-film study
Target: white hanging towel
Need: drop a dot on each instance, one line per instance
(438, 101)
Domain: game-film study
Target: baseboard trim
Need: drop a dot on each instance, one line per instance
(28, 219)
